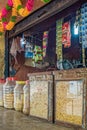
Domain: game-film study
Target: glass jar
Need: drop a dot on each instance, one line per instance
(26, 89)
(2, 81)
(18, 95)
(8, 93)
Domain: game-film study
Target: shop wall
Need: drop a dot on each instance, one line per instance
(2, 52)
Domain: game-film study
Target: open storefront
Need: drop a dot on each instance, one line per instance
(53, 38)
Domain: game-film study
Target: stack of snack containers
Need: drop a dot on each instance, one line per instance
(18, 95)
(2, 81)
(8, 93)
(26, 90)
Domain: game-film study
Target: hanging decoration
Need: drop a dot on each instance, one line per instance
(45, 1)
(11, 23)
(6, 10)
(4, 14)
(66, 35)
(15, 6)
(1, 28)
(26, 10)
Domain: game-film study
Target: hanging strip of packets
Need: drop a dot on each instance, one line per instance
(78, 23)
(45, 42)
(81, 21)
(83, 29)
(59, 40)
(66, 34)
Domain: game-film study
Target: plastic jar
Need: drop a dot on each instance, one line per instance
(26, 90)
(8, 93)
(2, 82)
(18, 95)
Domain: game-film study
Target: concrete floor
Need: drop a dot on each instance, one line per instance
(12, 120)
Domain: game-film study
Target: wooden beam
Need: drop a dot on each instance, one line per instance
(54, 7)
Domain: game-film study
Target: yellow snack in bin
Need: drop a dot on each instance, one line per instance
(68, 107)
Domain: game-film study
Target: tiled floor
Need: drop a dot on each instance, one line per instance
(12, 120)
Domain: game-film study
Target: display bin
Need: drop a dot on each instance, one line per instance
(19, 95)
(70, 102)
(41, 96)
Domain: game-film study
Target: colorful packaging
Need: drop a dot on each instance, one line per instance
(66, 35)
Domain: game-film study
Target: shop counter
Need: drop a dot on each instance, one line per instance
(70, 102)
(41, 95)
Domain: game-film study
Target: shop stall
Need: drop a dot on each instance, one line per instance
(50, 47)
(39, 41)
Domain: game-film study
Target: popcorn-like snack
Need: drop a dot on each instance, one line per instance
(69, 102)
(39, 99)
